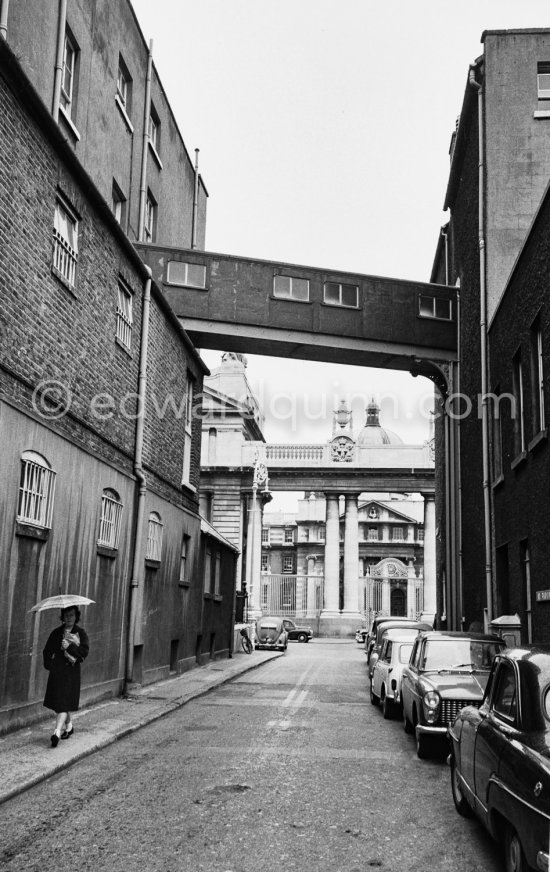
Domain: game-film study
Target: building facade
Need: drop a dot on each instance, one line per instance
(500, 166)
(100, 465)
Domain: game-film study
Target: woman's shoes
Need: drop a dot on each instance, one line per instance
(66, 734)
(54, 740)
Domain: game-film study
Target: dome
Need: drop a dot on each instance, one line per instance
(373, 435)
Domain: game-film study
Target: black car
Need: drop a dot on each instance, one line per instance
(500, 757)
(297, 633)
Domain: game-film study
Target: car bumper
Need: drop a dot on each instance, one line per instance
(429, 730)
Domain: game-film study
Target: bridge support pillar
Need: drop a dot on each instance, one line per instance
(351, 560)
(430, 589)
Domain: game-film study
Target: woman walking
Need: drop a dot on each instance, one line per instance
(66, 648)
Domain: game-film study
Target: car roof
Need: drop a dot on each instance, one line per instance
(458, 634)
(527, 652)
(397, 635)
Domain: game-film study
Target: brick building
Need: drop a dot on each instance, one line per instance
(489, 505)
(97, 498)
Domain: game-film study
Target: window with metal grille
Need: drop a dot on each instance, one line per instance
(154, 537)
(109, 522)
(124, 316)
(36, 490)
(291, 288)
(65, 243)
(181, 272)
(336, 294)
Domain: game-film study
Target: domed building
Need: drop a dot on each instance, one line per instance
(373, 435)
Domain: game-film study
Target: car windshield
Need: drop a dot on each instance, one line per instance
(442, 654)
(405, 653)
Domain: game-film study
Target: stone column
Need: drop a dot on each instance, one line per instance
(411, 590)
(255, 549)
(311, 583)
(430, 596)
(351, 558)
(331, 605)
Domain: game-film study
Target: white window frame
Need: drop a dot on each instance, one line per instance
(291, 288)
(264, 563)
(397, 534)
(192, 275)
(118, 203)
(372, 534)
(288, 564)
(155, 530)
(36, 491)
(123, 80)
(110, 519)
(70, 52)
(340, 286)
(430, 307)
(149, 224)
(188, 431)
(265, 535)
(65, 242)
(543, 80)
(289, 536)
(322, 532)
(183, 560)
(124, 315)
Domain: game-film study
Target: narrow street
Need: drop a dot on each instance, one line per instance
(287, 767)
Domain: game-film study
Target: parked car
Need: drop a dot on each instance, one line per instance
(361, 635)
(500, 767)
(411, 628)
(446, 672)
(369, 638)
(385, 685)
(297, 633)
(270, 633)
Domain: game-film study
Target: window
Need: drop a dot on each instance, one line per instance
(68, 75)
(397, 534)
(434, 307)
(188, 433)
(265, 535)
(154, 130)
(118, 204)
(36, 490)
(109, 523)
(154, 537)
(420, 534)
(150, 225)
(291, 288)
(124, 86)
(289, 535)
(124, 318)
(537, 377)
(288, 563)
(517, 381)
(208, 571)
(336, 294)
(183, 560)
(217, 575)
(188, 274)
(305, 535)
(373, 534)
(322, 532)
(505, 697)
(497, 435)
(265, 565)
(543, 80)
(65, 243)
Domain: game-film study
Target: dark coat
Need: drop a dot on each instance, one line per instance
(63, 688)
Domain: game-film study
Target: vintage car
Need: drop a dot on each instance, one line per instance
(270, 633)
(361, 634)
(385, 687)
(297, 633)
(371, 632)
(500, 757)
(446, 672)
(409, 627)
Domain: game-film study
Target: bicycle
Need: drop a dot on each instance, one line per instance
(246, 641)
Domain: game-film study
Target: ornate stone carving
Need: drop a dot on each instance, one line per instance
(341, 449)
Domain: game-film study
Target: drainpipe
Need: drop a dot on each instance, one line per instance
(4, 19)
(195, 202)
(483, 346)
(140, 476)
(143, 175)
(59, 52)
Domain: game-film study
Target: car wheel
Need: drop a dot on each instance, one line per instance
(424, 747)
(514, 858)
(460, 801)
(387, 708)
(302, 637)
(373, 698)
(407, 726)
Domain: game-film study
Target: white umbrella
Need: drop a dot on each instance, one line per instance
(63, 601)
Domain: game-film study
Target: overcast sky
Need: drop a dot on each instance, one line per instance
(324, 129)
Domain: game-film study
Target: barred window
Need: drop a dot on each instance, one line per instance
(109, 524)
(36, 490)
(124, 316)
(154, 537)
(65, 243)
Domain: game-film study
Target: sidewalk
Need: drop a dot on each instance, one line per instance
(26, 756)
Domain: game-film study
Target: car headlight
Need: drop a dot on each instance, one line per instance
(431, 702)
